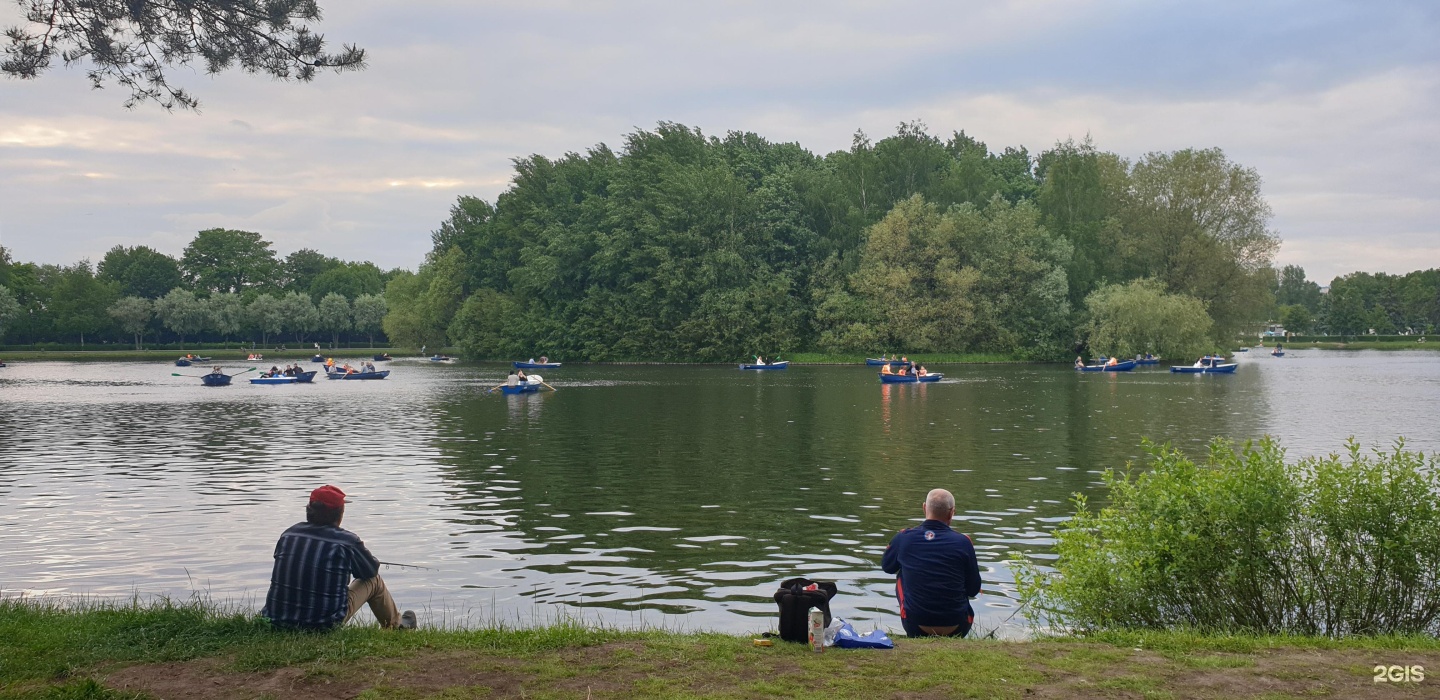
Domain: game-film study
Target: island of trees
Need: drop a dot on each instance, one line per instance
(686, 247)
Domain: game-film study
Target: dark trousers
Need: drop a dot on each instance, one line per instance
(913, 630)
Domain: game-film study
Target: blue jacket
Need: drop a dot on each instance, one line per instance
(937, 574)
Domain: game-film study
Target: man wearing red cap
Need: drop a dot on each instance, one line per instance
(310, 586)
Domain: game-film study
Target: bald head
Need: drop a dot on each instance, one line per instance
(939, 505)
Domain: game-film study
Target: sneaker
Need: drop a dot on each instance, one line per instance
(407, 620)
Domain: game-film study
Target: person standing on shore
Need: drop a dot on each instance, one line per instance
(936, 573)
(310, 586)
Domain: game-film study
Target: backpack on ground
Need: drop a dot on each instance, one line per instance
(796, 597)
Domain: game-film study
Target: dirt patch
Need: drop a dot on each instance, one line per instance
(625, 669)
(424, 674)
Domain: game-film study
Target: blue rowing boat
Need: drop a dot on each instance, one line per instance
(383, 357)
(1207, 365)
(182, 362)
(536, 365)
(358, 375)
(214, 379)
(908, 378)
(441, 358)
(1125, 366)
(272, 380)
(773, 365)
(529, 388)
(305, 377)
(317, 358)
(1278, 353)
(878, 361)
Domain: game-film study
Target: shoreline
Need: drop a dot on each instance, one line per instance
(194, 651)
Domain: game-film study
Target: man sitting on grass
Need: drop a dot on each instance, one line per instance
(310, 586)
(936, 572)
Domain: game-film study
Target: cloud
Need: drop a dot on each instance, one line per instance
(1332, 102)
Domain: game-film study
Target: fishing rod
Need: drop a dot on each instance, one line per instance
(408, 566)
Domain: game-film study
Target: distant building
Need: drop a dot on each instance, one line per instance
(1273, 330)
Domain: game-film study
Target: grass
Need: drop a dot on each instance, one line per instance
(114, 651)
(817, 358)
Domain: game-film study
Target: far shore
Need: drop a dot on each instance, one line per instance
(801, 358)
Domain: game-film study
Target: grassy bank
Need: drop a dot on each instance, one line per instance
(164, 651)
(1366, 345)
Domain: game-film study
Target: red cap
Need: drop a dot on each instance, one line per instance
(328, 496)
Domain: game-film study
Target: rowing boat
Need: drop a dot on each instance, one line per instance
(878, 361)
(1206, 365)
(317, 358)
(1125, 366)
(527, 388)
(907, 378)
(536, 365)
(358, 375)
(214, 379)
(773, 365)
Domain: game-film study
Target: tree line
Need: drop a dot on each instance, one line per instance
(681, 246)
(227, 286)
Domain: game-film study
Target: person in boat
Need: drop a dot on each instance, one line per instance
(544, 360)
(920, 371)
(936, 572)
(904, 360)
(885, 369)
(513, 379)
(760, 360)
(217, 370)
(904, 370)
(369, 366)
(1079, 362)
(311, 586)
(520, 375)
(1112, 362)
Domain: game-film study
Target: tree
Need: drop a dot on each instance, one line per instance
(222, 260)
(79, 300)
(300, 314)
(1141, 316)
(1293, 289)
(227, 313)
(1197, 222)
(300, 268)
(349, 280)
(334, 316)
(135, 43)
(134, 315)
(369, 314)
(9, 308)
(182, 313)
(266, 315)
(1296, 319)
(140, 271)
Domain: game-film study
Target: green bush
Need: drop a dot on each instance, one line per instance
(1329, 546)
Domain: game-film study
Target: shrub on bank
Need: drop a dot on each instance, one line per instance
(1251, 543)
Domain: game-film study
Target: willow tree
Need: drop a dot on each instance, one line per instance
(1128, 319)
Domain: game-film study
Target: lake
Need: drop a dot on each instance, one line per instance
(633, 495)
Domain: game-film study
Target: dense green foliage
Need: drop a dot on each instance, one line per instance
(1251, 543)
(1361, 303)
(1140, 317)
(687, 247)
(237, 290)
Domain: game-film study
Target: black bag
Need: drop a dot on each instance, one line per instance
(795, 604)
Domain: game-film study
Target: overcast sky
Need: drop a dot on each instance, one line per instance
(1336, 104)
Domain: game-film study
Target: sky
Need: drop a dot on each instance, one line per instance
(1335, 104)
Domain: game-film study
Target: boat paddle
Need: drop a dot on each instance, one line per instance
(252, 369)
(551, 388)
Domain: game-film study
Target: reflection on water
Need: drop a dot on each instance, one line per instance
(664, 495)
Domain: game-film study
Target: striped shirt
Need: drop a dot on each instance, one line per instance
(310, 584)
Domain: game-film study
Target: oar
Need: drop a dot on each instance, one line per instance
(551, 388)
(252, 369)
(197, 376)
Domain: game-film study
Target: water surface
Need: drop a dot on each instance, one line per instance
(675, 496)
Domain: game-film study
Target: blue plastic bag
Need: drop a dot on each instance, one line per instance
(847, 638)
